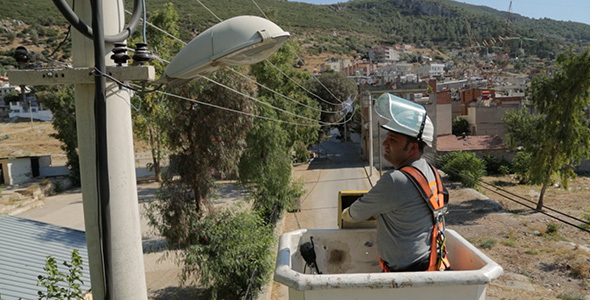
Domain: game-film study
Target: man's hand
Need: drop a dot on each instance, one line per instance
(346, 216)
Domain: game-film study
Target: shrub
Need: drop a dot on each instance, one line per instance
(496, 166)
(301, 154)
(231, 256)
(460, 125)
(59, 285)
(464, 167)
(520, 166)
(552, 228)
(487, 243)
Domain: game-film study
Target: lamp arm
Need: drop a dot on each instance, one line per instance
(86, 30)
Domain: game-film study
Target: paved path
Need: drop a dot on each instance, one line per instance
(339, 168)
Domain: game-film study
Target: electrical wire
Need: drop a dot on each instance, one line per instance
(262, 102)
(245, 76)
(301, 86)
(143, 23)
(277, 68)
(319, 81)
(284, 96)
(233, 110)
(493, 188)
(87, 31)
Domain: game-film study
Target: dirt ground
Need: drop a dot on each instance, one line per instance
(543, 258)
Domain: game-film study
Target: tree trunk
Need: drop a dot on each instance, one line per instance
(155, 155)
(540, 202)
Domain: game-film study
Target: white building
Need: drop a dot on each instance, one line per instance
(430, 70)
(29, 108)
(384, 55)
(336, 64)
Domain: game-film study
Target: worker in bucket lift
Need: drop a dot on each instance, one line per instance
(405, 220)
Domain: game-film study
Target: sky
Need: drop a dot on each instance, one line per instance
(563, 10)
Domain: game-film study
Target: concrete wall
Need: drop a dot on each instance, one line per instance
(17, 170)
(488, 120)
(444, 117)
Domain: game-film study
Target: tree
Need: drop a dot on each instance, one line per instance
(12, 97)
(564, 135)
(330, 90)
(265, 167)
(460, 126)
(521, 125)
(61, 102)
(153, 115)
(207, 143)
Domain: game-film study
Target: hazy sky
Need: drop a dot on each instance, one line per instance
(564, 10)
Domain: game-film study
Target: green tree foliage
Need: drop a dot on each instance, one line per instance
(520, 126)
(521, 164)
(464, 167)
(233, 247)
(265, 168)
(564, 136)
(11, 97)
(206, 142)
(152, 114)
(280, 75)
(60, 100)
(330, 90)
(460, 126)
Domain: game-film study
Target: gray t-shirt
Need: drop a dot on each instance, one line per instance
(404, 221)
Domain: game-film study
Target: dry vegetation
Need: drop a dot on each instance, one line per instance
(542, 257)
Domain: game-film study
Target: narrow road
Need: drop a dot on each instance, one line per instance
(338, 168)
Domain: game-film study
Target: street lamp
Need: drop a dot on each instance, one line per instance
(241, 40)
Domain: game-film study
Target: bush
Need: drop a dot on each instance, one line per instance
(463, 166)
(497, 166)
(520, 166)
(460, 125)
(232, 256)
(301, 154)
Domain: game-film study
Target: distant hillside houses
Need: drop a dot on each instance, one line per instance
(27, 108)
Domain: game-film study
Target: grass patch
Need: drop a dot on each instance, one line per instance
(487, 243)
(532, 252)
(510, 240)
(567, 296)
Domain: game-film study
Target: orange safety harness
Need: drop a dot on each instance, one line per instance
(436, 198)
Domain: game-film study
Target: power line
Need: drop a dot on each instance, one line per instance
(264, 103)
(488, 186)
(284, 96)
(268, 61)
(319, 81)
(233, 110)
(256, 100)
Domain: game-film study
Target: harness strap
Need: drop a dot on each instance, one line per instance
(433, 195)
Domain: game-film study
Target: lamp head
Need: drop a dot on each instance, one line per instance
(241, 40)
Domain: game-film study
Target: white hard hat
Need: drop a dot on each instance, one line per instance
(405, 117)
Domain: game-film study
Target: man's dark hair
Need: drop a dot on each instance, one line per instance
(410, 139)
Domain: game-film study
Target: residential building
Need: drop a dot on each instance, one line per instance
(336, 64)
(429, 70)
(384, 55)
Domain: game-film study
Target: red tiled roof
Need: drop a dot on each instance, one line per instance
(469, 143)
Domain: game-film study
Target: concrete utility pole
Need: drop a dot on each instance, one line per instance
(117, 271)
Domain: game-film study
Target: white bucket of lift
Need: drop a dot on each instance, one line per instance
(348, 262)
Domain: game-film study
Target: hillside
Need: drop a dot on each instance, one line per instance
(349, 28)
